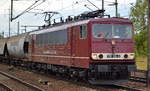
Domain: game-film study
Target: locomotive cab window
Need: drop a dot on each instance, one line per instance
(109, 31)
(83, 32)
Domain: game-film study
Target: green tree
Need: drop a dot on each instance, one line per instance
(138, 16)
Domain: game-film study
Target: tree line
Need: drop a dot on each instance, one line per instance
(139, 17)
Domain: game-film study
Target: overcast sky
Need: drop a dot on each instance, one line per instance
(65, 7)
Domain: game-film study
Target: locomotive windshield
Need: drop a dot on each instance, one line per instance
(112, 31)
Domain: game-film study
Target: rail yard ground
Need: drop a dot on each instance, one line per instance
(51, 83)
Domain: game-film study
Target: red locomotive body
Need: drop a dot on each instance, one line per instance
(63, 45)
(100, 49)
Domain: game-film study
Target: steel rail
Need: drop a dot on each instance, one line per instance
(138, 79)
(127, 87)
(6, 87)
(23, 82)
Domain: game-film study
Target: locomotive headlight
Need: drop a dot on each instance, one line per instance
(132, 55)
(94, 56)
(97, 56)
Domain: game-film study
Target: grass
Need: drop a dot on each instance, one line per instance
(141, 62)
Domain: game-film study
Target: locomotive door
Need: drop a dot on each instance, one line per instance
(80, 41)
(79, 45)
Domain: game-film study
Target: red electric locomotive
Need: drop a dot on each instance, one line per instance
(100, 50)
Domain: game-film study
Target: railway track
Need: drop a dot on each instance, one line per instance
(116, 86)
(3, 87)
(138, 79)
(12, 83)
(139, 76)
(99, 87)
(128, 88)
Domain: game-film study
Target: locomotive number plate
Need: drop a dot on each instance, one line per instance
(113, 56)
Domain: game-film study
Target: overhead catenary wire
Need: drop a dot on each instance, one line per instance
(67, 8)
(74, 3)
(77, 2)
(93, 4)
(35, 6)
(80, 2)
(28, 9)
(105, 1)
(88, 7)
